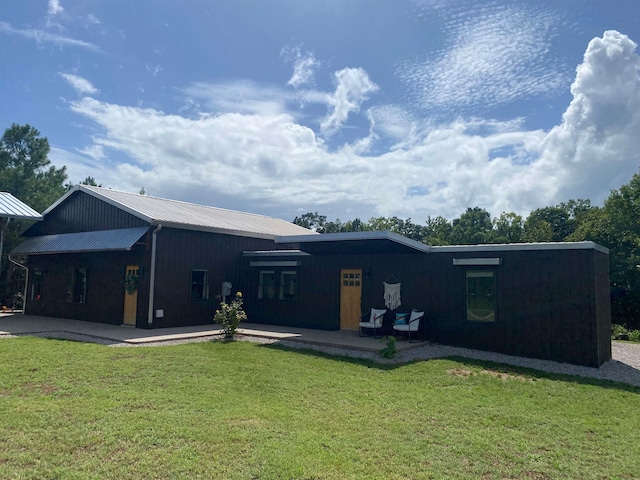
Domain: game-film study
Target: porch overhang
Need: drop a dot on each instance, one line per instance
(354, 243)
(80, 242)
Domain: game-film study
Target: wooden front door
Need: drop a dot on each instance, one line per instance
(350, 298)
(130, 294)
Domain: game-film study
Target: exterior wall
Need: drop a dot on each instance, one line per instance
(105, 285)
(83, 213)
(180, 251)
(551, 304)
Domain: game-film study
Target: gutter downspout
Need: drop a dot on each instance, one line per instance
(152, 280)
(26, 281)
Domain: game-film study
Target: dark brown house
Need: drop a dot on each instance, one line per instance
(115, 257)
(544, 300)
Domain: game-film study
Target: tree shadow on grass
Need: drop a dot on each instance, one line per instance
(623, 371)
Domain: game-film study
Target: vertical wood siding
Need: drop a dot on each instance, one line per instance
(551, 304)
(83, 213)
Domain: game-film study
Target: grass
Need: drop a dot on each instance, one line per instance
(245, 411)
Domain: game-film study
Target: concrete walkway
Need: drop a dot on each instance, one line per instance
(18, 324)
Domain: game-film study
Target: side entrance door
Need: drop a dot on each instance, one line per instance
(130, 294)
(350, 298)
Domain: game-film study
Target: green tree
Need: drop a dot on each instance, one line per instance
(437, 231)
(508, 228)
(312, 221)
(26, 173)
(473, 227)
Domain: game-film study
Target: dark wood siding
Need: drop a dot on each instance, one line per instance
(180, 251)
(551, 304)
(105, 272)
(82, 212)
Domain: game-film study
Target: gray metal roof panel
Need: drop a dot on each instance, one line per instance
(11, 207)
(97, 241)
(190, 216)
(392, 241)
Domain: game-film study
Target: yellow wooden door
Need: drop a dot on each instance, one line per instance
(130, 294)
(350, 298)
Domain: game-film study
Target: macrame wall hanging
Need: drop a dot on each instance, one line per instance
(392, 293)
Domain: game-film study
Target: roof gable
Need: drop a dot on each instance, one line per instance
(189, 216)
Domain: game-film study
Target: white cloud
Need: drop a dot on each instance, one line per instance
(304, 66)
(253, 155)
(241, 96)
(153, 69)
(352, 88)
(54, 7)
(40, 36)
(495, 55)
(82, 86)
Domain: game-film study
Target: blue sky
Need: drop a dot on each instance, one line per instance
(349, 108)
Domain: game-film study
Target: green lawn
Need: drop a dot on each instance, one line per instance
(247, 411)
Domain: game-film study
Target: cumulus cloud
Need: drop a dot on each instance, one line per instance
(82, 86)
(495, 55)
(254, 155)
(352, 88)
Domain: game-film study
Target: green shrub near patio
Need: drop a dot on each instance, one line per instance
(241, 410)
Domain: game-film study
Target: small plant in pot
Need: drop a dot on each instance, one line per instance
(230, 315)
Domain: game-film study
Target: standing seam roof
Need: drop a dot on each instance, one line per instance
(11, 207)
(179, 214)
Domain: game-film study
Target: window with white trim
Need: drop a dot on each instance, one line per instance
(267, 285)
(289, 285)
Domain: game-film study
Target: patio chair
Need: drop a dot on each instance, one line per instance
(374, 321)
(407, 326)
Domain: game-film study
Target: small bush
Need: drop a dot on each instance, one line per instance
(390, 350)
(634, 335)
(230, 315)
(619, 332)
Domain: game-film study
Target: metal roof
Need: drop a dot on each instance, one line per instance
(356, 243)
(176, 214)
(98, 241)
(506, 247)
(11, 207)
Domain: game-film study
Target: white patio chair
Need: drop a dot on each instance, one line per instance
(375, 320)
(412, 325)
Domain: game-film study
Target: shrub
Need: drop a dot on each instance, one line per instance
(634, 335)
(619, 332)
(230, 315)
(390, 350)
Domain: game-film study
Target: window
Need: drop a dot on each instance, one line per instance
(77, 285)
(267, 285)
(36, 287)
(288, 285)
(199, 284)
(481, 296)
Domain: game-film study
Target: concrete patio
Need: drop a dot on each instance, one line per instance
(19, 324)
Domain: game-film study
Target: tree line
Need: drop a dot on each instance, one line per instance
(615, 225)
